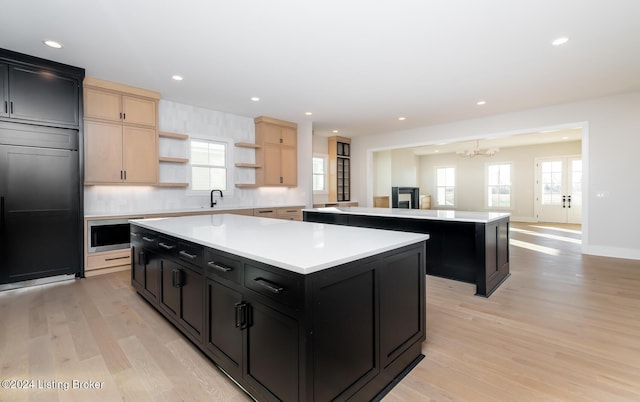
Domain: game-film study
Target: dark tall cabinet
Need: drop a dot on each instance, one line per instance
(339, 169)
(40, 174)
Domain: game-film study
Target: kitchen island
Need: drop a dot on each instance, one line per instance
(466, 246)
(291, 311)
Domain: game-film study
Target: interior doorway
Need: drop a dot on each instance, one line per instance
(558, 189)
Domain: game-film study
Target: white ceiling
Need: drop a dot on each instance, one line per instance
(356, 65)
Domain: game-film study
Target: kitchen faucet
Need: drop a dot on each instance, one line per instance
(215, 202)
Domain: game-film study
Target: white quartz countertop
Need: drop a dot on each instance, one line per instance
(301, 247)
(432, 214)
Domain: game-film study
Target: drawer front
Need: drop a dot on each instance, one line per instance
(294, 214)
(109, 259)
(265, 212)
(282, 288)
(168, 246)
(191, 253)
(223, 266)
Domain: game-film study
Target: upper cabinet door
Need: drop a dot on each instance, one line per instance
(289, 136)
(102, 105)
(44, 96)
(139, 111)
(4, 90)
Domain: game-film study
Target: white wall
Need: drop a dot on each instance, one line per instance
(208, 124)
(470, 176)
(611, 139)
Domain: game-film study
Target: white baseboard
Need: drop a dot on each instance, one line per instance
(615, 252)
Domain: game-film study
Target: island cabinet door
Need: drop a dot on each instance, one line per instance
(223, 333)
(182, 296)
(402, 303)
(271, 341)
(145, 274)
(345, 347)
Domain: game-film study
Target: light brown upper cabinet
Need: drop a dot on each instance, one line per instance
(120, 129)
(277, 154)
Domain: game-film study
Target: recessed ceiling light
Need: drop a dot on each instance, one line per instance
(255, 99)
(53, 44)
(308, 113)
(402, 118)
(565, 138)
(177, 77)
(481, 102)
(560, 41)
(436, 151)
(335, 131)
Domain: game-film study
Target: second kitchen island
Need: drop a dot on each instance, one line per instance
(465, 246)
(292, 311)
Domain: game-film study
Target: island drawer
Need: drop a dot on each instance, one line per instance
(168, 246)
(143, 238)
(282, 288)
(191, 253)
(223, 266)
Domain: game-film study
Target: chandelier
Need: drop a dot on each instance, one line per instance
(470, 153)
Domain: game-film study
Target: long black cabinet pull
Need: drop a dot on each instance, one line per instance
(142, 258)
(177, 278)
(134, 234)
(187, 255)
(166, 246)
(270, 286)
(149, 239)
(6, 107)
(2, 212)
(116, 258)
(218, 266)
(11, 107)
(243, 315)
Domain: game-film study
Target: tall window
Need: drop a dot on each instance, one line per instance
(446, 186)
(499, 185)
(208, 165)
(319, 173)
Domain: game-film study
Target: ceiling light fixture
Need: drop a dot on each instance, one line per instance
(53, 44)
(335, 131)
(560, 41)
(402, 118)
(481, 102)
(308, 113)
(470, 153)
(255, 99)
(177, 77)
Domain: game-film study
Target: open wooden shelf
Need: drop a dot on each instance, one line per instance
(248, 165)
(247, 185)
(177, 136)
(246, 145)
(172, 184)
(173, 160)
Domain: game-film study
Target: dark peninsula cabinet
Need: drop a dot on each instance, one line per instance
(348, 332)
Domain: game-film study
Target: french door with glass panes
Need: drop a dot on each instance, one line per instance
(559, 189)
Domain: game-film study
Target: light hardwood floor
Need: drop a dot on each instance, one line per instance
(563, 327)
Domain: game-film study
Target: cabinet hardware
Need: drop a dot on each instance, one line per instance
(149, 239)
(125, 175)
(270, 286)
(267, 211)
(176, 278)
(218, 266)
(187, 255)
(134, 234)
(116, 258)
(124, 116)
(243, 315)
(2, 212)
(6, 107)
(142, 258)
(564, 201)
(166, 246)
(11, 107)
(120, 115)
(121, 175)
(280, 179)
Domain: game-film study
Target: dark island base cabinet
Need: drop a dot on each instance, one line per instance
(464, 251)
(344, 333)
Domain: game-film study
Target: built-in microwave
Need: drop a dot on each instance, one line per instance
(108, 234)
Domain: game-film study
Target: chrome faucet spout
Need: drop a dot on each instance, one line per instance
(213, 203)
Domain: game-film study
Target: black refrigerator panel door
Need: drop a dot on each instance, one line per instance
(43, 96)
(40, 234)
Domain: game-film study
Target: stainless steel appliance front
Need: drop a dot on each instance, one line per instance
(107, 234)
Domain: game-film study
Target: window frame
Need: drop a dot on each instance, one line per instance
(511, 186)
(455, 185)
(228, 164)
(325, 159)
